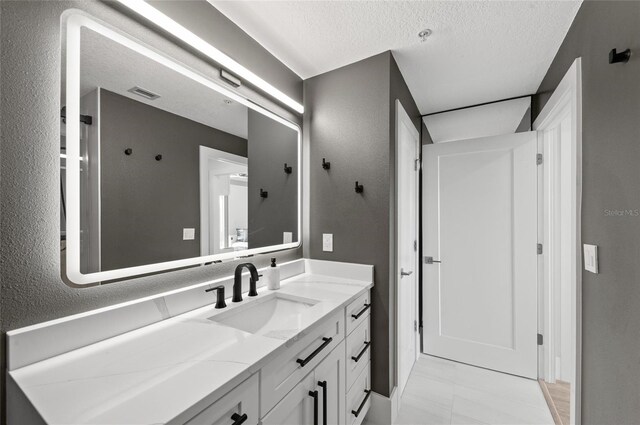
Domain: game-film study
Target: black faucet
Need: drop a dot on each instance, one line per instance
(237, 282)
(219, 296)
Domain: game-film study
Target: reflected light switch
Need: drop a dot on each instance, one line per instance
(327, 242)
(591, 258)
(287, 237)
(188, 234)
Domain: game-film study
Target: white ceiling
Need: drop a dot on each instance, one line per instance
(481, 121)
(112, 66)
(480, 51)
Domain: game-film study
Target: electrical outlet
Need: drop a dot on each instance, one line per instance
(188, 234)
(327, 242)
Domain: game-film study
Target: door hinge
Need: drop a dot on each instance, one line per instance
(540, 339)
(415, 326)
(415, 245)
(539, 159)
(416, 162)
(539, 249)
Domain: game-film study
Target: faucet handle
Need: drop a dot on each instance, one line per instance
(252, 286)
(219, 296)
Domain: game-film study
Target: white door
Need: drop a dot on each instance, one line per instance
(480, 228)
(407, 149)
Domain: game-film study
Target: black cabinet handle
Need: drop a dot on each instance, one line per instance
(364, 350)
(237, 419)
(357, 316)
(366, 397)
(310, 357)
(314, 394)
(323, 385)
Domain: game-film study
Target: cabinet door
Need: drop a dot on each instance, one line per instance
(331, 384)
(298, 407)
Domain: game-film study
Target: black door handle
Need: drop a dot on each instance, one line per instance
(237, 419)
(314, 394)
(364, 350)
(366, 397)
(357, 316)
(323, 385)
(310, 357)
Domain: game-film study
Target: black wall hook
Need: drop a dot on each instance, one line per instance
(158, 157)
(288, 169)
(359, 188)
(622, 57)
(263, 194)
(326, 165)
(128, 151)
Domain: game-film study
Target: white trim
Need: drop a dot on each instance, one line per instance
(76, 20)
(568, 94)
(154, 15)
(401, 117)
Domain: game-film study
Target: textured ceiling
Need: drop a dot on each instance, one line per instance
(479, 50)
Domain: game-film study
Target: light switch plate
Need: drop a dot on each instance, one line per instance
(287, 237)
(327, 242)
(188, 234)
(591, 258)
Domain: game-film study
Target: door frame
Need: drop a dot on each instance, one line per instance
(205, 154)
(566, 97)
(402, 116)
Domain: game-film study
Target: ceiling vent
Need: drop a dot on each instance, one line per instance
(143, 93)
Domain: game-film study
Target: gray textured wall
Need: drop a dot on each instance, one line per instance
(611, 181)
(349, 120)
(270, 145)
(146, 203)
(30, 53)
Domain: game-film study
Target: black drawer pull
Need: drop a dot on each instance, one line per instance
(314, 394)
(323, 385)
(366, 397)
(366, 307)
(310, 357)
(364, 350)
(237, 419)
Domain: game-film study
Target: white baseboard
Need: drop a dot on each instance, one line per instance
(383, 410)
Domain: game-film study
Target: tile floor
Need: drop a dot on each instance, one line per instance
(444, 392)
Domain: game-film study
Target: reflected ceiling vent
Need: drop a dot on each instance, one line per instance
(143, 93)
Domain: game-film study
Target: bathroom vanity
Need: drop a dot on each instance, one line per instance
(298, 355)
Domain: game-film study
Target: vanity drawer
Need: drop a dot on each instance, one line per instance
(359, 397)
(240, 401)
(358, 311)
(358, 350)
(284, 372)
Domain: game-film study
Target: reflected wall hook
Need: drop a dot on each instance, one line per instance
(263, 194)
(158, 157)
(623, 57)
(359, 188)
(287, 169)
(326, 165)
(128, 151)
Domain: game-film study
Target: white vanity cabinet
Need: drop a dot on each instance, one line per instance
(238, 406)
(318, 399)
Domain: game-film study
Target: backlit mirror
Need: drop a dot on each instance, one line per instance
(162, 167)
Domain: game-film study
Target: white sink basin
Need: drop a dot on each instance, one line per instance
(276, 315)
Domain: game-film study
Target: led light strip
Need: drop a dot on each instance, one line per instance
(75, 21)
(154, 15)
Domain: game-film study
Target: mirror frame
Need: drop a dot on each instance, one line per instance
(75, 21)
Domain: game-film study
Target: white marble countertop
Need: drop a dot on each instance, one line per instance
(169, 371)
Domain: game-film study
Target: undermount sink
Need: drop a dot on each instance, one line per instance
(276, 315)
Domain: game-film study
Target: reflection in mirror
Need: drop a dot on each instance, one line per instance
(171, 169)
